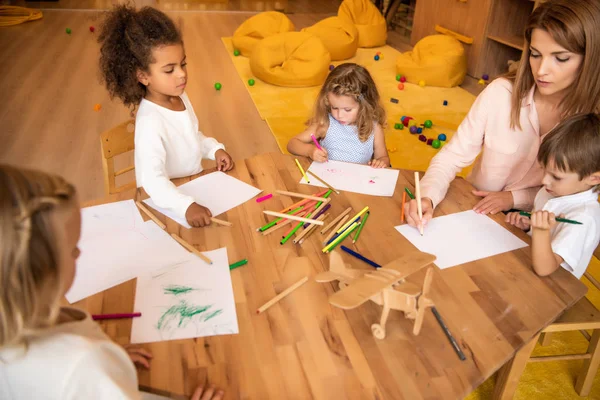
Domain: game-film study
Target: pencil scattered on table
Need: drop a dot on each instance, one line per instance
(301, 170)
(238, 264)
(281, 295)
(263, 198)
(419, 205)
(97, 317)
(191, 248)
(360, 257)
(566, 221)
(220, 222)
(323, 182)
(362, 224)
(453, 342)
(150, 215)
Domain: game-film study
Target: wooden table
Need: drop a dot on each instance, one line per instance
(304, 348)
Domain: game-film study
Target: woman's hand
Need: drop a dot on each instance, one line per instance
(412, 214)
(493, 202)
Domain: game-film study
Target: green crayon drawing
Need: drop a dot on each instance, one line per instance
(177, 289)
(183, 313)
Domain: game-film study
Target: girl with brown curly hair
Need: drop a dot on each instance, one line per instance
(348, 120)
(143, 63)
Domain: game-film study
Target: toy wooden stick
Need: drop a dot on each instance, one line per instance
(281, 295)
(336, 220)
(323, 182)
(150, 215)
(276, 227)
(220, 222)
(361, 212)
(307, 230)
(311, 229)
(339, 225)
(276, 214)
(419, 206)
(301, 195)
(191, 248)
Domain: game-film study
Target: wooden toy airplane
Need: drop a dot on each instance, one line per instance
(385, 286)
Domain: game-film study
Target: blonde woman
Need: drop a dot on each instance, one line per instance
(47, 351)
(557, 77)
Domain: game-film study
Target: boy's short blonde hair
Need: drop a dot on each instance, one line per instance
(573, 145)
(29, 267)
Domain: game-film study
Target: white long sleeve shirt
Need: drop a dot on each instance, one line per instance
(72, 360)
(169, 145)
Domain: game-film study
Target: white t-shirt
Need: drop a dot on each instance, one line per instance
(574, 243)
(169, 145)
(72, 360)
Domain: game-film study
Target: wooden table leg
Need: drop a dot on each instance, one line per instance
(509, 375)
(585, 379)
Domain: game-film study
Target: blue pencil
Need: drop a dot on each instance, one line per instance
(342, 232)
(361, 257)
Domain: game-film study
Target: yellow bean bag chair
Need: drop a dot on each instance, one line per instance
(372, 28)
(292, 59)
(438, 60)
(258, 27)
(339, 36)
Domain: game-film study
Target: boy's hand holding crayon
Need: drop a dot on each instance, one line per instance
(197, 215)
(224, 162)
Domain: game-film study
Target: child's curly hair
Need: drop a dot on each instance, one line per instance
(352, 80)
(127, 37)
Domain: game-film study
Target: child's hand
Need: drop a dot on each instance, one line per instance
(542, 220)
(518, 220)
(412, 214)
(379, 163)
(224, 161)
(139, 355)
(319, 155)
(197, 215)
(210, 394)
(493, 202)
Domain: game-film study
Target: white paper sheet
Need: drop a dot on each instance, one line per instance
(218, 192)
(355, 178)
(462, 237)
(116, 245)
(185, 301)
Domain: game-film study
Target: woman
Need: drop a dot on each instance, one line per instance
(506, 124)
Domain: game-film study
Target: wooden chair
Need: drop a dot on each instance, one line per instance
(116, 141)
(582, 317)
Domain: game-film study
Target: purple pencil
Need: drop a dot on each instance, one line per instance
(318, 214)
(115, 316)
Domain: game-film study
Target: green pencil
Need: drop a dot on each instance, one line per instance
(364, 221)
(409, 193)
(340, 238)
(285, 239)
(568, 221)
(238, 264)
(326, 196)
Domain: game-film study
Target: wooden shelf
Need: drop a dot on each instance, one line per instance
(516, 42)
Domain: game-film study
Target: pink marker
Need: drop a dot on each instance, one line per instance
(267, 197)
(97, 317)
(316, 142)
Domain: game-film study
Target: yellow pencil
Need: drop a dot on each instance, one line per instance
(351, 221)
(301, 170)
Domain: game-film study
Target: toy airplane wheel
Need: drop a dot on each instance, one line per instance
(378, 331)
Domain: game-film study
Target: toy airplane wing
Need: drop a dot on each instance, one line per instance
(362, 289)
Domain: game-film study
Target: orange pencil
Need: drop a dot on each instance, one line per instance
(403, 202)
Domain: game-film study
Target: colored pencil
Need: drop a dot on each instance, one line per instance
(278, 226)
(97, 317)
(305, 232)
(275, 221)
(276, 214)
(339, 225)
(150, 215)
(364, 221)
(281, 295)
(455, 345)
(419, 205)
(191, 248)
(361, 212)
(409, 193)
(238, 264)
(318, 213)
(311, 229)
(267, 197)
(301, 170)
(344, 231)
(326, 195)
(303, 201)
(340, 238)
(323, 182)
(220, 222)
(403, 203)
(360, 257)
(302, 195)
(567, 221)
(335, 221)
(316, 142)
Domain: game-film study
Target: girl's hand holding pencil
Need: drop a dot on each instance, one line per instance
(319, 155)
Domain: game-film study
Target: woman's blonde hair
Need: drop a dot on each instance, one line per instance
(29, 267)
(355, 81)
(573, 24)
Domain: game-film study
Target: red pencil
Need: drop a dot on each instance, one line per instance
(115, 316)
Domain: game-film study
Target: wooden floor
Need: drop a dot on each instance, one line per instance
(49, 84)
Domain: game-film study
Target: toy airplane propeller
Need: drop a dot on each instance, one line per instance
(385, 286)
